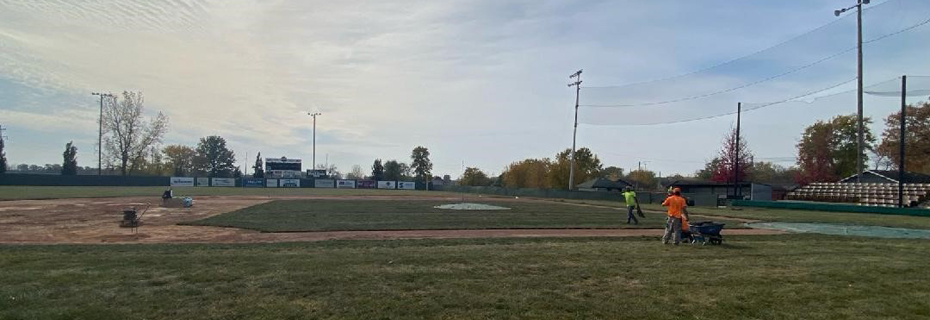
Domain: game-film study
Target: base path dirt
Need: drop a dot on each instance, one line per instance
(97, 221)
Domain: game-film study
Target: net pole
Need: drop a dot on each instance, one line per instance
(901, 139)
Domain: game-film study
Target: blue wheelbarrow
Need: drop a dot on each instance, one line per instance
(706, 232)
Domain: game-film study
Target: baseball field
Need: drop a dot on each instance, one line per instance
(370, 254)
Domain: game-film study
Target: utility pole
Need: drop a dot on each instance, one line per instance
(100, 132)
(902, 137)
(571, 169)
(314, 137)
(860, 142)
(737, 190)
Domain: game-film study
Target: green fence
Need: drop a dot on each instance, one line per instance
(644, 197)
(831, 207)
(19, 179)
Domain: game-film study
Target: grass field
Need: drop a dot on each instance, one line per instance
(760, 277)
(30, 192)
(339, 215)
(765, 214)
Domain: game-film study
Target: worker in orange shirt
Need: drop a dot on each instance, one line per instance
(677, 210)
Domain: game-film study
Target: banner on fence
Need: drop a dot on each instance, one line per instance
(345, 184)
(289, 183)
(365, 184)
(223, 182)
(202, 182)
(387, 184)
(253, 182)
(271, 183)
(182, 181)
(324, 183)
(406, 185)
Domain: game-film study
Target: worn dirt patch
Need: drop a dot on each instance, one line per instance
(96, 220)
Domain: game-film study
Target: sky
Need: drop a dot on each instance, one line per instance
(481, 83)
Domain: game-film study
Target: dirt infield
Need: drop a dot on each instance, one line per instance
(96, 220)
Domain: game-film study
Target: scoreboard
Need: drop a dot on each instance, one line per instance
(283, 167)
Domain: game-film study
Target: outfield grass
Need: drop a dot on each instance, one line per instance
(760, 277)
(783, 215)
(31, 192)
(339, 215)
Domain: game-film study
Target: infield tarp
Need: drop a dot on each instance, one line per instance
(844, 230)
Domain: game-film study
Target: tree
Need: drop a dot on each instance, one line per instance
(332, 171)
(587, 166)
(128, 136)
(258, 171)
(709, 168)
(643, 179)
(2, 157)
(529, 173)
(69, 165)
(393, 170)
(214, 158)
(612, 173)
(729, 154)
(356, 173)
(180, 159)
(421, 165)
(768, 172)
(827, 150)
(377, 170)
(237, 173)
(474, 177)
(917, 139)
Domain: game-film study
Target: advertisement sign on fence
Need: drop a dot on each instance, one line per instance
(224, 182)
(253, 182)
(324, 183)
(182, 181)
(203, 182)
(289, 183)
(345, 184)
(406, 185)
(387, 184)
(365, 184)
(271, 183)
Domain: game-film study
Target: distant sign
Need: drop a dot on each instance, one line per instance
(203, 182)
(271, 183)
(365, 184)
(289, 183)
(387, 184)
(316, 173)
(324, 183)
(223, 182)
(345, 184)
(253, 182)
(182, 181)
(406, 185)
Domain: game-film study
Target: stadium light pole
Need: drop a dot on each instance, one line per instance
(860, 142)
(314, 114)
(100, 132)
(571, 169)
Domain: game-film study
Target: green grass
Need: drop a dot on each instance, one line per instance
(761, 277)
(332, 215)
(784, 215)
(30, 192)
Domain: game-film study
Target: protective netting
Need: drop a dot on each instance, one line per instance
(845, 230)
(821, 62)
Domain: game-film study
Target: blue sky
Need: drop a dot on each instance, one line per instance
(482, 81)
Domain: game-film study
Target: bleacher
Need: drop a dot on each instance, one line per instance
(864, 194)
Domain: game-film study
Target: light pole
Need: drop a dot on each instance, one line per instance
(571, 168)
(100, 132)
(314, 114)
(860, 142)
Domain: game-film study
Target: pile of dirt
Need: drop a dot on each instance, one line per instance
(470, 206)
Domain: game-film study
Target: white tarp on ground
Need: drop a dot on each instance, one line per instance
(224, 182)
(182, 181)
(387, 184)
(470, 206)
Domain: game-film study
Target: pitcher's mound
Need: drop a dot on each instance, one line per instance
(470, 206)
